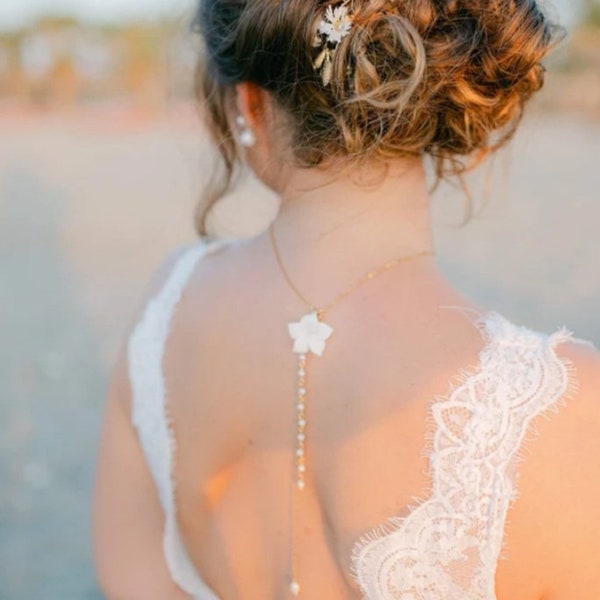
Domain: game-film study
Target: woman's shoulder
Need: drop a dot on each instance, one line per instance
(179, 264)
(563, 361)
(580, 426)
(157, 299)
(557, 514)
(571, 477)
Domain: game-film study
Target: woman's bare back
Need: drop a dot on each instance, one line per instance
(230, 377)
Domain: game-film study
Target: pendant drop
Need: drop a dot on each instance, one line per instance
(309, 335)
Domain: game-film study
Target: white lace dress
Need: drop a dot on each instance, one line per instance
(449, 544)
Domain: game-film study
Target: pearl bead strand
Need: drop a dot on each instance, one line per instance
(301, 422)
(300, 458)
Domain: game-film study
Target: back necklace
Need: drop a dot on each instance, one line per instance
(310, 334)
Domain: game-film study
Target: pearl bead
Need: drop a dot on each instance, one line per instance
(299, 452)
(300, 406)
(300, 484)
(247, 138)
(301, 423)
(301, 437)
(301, 372)
(301, 468)
(295, 588)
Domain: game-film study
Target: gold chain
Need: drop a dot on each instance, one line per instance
(321, 311)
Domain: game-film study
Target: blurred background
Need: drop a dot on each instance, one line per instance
(102, 159)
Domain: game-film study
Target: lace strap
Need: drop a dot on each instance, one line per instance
(449, 544)
(149, 414)
(145, 352)
(540, 383)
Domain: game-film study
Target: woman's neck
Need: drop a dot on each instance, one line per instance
(349, 225)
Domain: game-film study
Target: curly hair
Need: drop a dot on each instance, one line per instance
(444, 78)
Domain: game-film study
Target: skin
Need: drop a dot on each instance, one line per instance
(231, 383)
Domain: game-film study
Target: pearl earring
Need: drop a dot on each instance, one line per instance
(247, 137)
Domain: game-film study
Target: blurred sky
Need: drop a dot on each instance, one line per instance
(14, 13)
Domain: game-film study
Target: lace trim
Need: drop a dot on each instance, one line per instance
(449, 543)
(151, 416)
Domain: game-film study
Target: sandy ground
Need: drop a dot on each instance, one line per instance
(89, 204)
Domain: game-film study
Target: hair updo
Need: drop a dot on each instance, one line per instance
(444, 78)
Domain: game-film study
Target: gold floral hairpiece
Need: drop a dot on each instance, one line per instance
(335, 25)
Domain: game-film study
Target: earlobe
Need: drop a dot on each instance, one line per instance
(250, 102)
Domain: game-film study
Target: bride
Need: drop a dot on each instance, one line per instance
(317, 412)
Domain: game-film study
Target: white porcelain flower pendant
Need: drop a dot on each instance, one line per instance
(309, 334)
